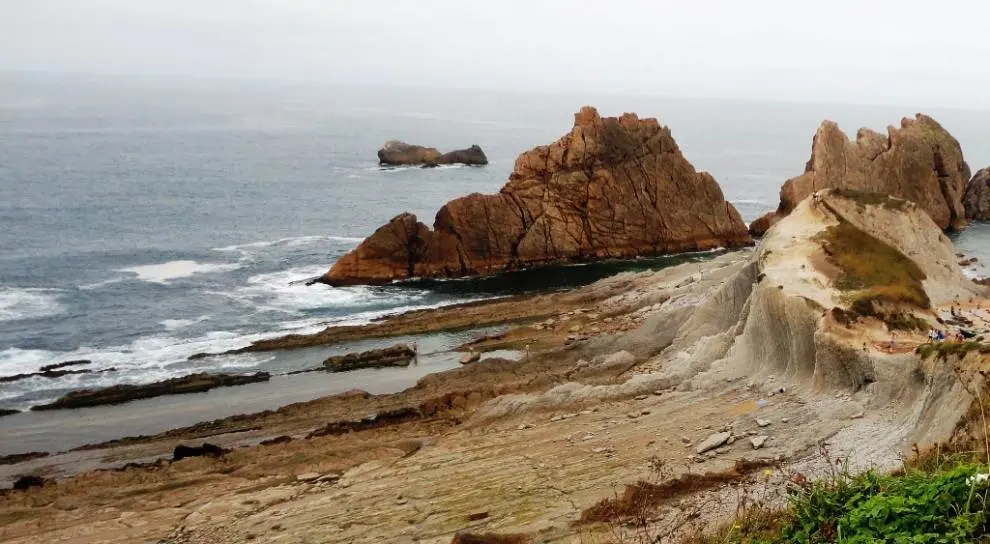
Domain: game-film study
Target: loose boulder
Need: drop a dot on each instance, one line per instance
(920, 161)
(611, 188)
(713, 442)
(977, 199)
(470, 357)
(396, 153)
(397, 355)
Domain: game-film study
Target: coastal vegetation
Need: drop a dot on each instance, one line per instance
(877, 280)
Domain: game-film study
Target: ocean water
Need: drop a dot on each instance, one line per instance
(144, 220)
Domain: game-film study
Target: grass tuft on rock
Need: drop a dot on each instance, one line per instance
(943, 350)
(878, 280)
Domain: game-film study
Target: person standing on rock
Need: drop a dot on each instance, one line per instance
(415, 348)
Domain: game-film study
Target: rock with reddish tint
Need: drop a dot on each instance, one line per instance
(977, 199)
(920, 161)
(763, 224)
(614, 187)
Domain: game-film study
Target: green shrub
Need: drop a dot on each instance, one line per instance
(943, 350)
(942, 506)
(916, 507)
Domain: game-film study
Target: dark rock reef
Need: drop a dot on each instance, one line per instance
(977, 199)
(206, 450)
(611, 188)
(920, 161)
(119, 394)
(397, 355)
(52, 371)
(396, 153)
(16, 458)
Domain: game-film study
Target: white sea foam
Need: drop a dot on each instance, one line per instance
(975, 272)
(164, 272)
(286, 292)
(145, 359)
(28, 303)
(176, 324)
(297, 241)
(104, 283)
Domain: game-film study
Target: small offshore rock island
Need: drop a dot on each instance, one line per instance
(640, 400)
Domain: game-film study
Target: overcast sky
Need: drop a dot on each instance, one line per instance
(860, 51)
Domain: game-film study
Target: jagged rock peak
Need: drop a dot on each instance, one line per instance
(613, 187)
(920, 161)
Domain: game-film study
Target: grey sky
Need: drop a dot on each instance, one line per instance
(867, 51)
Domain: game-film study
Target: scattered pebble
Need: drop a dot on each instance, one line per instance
(763, 422)
(641, 397)
(758, 441)
(685, 440)
(632, 415)
(784, 420)
(857, 415)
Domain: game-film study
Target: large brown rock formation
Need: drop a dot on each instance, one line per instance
(977, 199)
(611, 188)
(920, 161)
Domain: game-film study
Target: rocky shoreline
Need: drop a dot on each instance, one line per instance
(670, 389)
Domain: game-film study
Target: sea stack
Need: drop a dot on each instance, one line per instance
(977, 199)
(613, 187)
(920, 162)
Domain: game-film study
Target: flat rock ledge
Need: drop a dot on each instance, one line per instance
(397, 355)
(119, 394)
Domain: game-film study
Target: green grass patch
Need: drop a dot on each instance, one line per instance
(878, 280)
(944, 350)
(942, 506)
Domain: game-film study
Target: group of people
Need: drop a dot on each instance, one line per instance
(938, 335)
